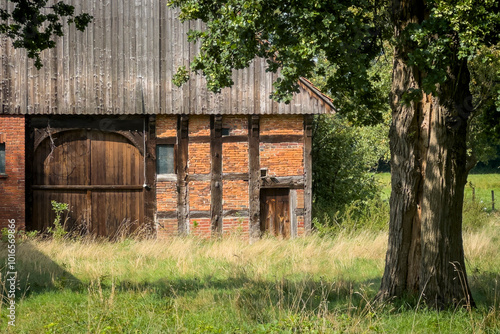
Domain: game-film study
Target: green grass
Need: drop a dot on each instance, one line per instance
(384, 180)
(483, 184)
(189, 285)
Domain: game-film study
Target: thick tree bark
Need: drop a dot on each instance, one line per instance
(443, 278)
(428, 165)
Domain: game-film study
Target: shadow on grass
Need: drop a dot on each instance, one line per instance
(257, 297)
(36, 272)
(485, 287)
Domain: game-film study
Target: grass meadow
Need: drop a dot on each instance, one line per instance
(310, 284)
(480, 184)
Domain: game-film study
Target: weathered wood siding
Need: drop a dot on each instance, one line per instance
(123, 64)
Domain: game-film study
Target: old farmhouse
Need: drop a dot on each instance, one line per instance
(102, 128)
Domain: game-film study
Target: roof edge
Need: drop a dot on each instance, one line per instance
(314, 91)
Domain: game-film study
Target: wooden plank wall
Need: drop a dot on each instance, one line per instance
(123, 64)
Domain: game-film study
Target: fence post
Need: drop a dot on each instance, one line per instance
(492, 200)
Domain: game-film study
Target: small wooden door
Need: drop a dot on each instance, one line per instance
(275, 212)
(99, 174)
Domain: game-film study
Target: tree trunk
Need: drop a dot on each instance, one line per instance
(443, 278)
(428, 174)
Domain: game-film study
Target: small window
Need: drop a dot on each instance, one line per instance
(165, 159)
(225, 131)
(2, 158)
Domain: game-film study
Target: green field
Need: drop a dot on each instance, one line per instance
(483, 184)
(189, 285)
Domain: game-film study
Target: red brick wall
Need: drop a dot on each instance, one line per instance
(200, 227)
(12, 187)
(166, 126)
(300, 198)
(199, 125)
(199, 153)
(166, 200)
(237, 125)
(199, 200)
(281, 125)
(199, 195)
(199, 163)
(235, 157)
(282, 159)
(237, 226)
(199, 158)
(235, 195)
(166, 196)
(167, 228)
(300, 225)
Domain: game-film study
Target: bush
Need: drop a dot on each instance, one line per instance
(344, 159)
(370, 215)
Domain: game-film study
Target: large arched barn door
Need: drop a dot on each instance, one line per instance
(99, 174)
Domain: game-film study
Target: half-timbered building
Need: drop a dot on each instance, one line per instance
(101, 127)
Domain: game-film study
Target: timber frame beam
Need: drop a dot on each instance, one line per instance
(181, 167)
(254, 175)
(308, 120)
(150, 181)
(216, 174)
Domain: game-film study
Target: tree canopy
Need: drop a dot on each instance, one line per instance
(292, 35)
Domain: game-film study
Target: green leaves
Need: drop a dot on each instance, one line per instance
(348, 35)
(181, 76)
(290, 35)
(32, 25)
(484, 137)
(344, 157)
(453, 28)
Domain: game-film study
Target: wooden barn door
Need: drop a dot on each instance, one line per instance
(275, 212)
(99, 174)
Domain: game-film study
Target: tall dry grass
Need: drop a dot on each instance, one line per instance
(89, 259)
(310, 255)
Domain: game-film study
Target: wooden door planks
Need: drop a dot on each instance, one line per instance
(100, 174)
